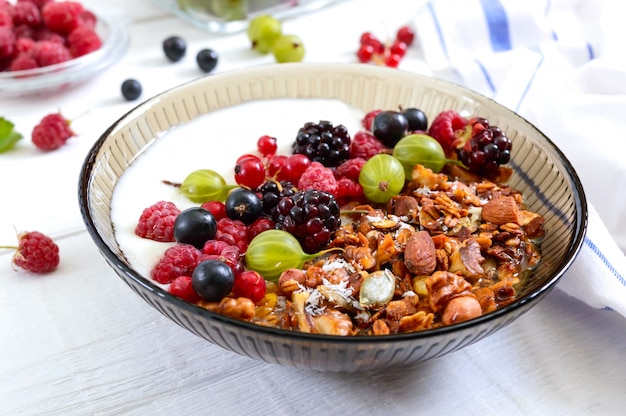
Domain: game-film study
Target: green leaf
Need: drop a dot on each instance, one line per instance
(8, 136)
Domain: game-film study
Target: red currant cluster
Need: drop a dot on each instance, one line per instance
(371, 49)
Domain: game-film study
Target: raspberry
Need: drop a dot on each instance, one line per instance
(350, 169)
(26, 13)
(49, 52)
(319, 177)
(39, 3)
(444, 128)
(52, 132)
(22, 62)
(157, 222)
(365, 145)
(178, 260)
(62, 17)
(181, 287)
(322, 142)
(24, 45)
(36, 252)
(83, 40)
(5, 18)
(7, 42)
(233, 232)
(367, 121)
(349, 191)
(88, 19)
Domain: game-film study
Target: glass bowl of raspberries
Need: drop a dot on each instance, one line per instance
(51, 45)
(334, 217)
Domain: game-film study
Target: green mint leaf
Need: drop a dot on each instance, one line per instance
(8, 136)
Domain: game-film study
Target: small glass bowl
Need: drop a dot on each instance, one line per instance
(115, 40)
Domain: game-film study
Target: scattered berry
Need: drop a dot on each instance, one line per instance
(207, 60)
(36, 252)
(178, 260)
(318, 177)
(174, 48)
(157, 222)
(406, 35)
(52, 132)
(288, 48)
(183, 288)
(262, 32)
(131, 89)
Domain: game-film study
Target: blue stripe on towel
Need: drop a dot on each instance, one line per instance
(530, 82)
(604, 260)
(498, 25)
(488, 79)
(431, 10)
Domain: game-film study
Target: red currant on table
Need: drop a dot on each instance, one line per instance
(398, 48)
(267, 145)
(392, 60)
(406, 35)
(365, 53)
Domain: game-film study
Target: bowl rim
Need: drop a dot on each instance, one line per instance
(581, 218)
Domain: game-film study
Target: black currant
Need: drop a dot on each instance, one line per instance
(207, 60)
(389, 127)
(212, 280)
(174, 48)
(195, 226)
(416, 118)
(244, 205)
(131, 89)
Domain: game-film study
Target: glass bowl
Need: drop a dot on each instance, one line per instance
(548, 182)
(53, 78)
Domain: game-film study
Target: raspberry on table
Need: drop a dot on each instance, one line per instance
(52, 132)
(318, 176)
(444, 127)
(365, 145)
(178, 260)
(36, 252)
(157, 222)
(350, 169)
(62, 16)
(50, 52)
(83, 40)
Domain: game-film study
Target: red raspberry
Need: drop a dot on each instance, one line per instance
(88, 19)
(181, 287)
(48, 52)
(22, 62)
(178, 260)
(39, 3)
(26, 13)
(214, 247)
(369, 119)
(7, 42)
(350, 169)
(44, 33)
(364, 145)
(63, 16)
(349, 191)
(24, 45)
(83, 40)
(52, 132)
(36, 252)
(222, 251)
(5, 18)
(319, 177)
(233, 232)
(260, 225)
(157, 222)
(444, 128)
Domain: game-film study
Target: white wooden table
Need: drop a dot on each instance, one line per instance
(79, 342)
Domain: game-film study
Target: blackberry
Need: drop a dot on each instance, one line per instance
(322, 142)
(271, 192)
(487, 148)
(311, 216)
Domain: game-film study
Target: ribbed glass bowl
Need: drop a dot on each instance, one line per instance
(540, 171)
(111, 28)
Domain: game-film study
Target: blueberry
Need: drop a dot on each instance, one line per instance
(244, 205)
(416, 118)
(212, 280)
(131, 89)
(207, 60)
(174, 48)
(195, 226)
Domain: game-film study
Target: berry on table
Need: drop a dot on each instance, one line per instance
(406, 35)
(174, 48)
(35, 252)
(52, 132)
(207, 60)
(262, 32)
(267, 145)
(131, 89)
(157, 222)
(288, 48)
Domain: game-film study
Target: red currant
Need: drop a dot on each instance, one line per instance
(293, 168)
(181, 287)
(250, 284)
(369, 119)
(393, 60)
(275, 164)
(365, 53)
(398, 48)
(267, 145)
(406, 35)
(367, 37)
(250, 172)
(217, 208)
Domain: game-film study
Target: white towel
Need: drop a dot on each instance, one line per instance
(552, 62)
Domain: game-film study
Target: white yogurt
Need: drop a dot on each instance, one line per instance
(213, 141)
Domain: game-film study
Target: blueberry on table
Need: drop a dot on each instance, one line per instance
(207, 60)
(174, 48)
(195, 226)
(131, 89)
